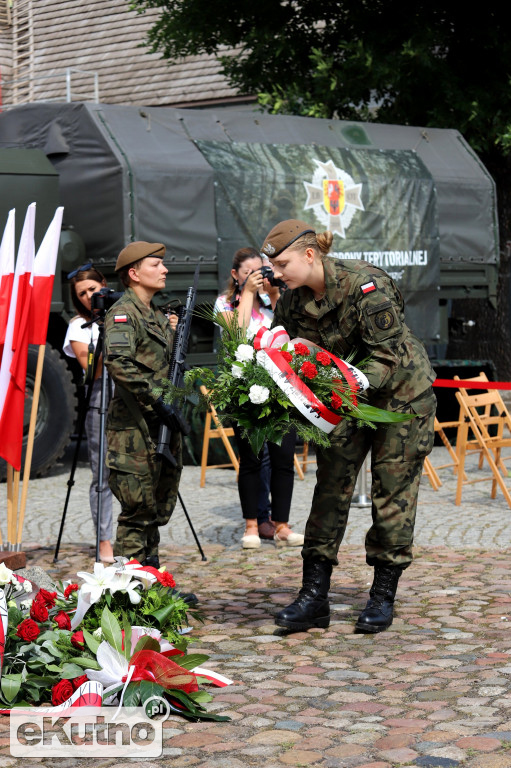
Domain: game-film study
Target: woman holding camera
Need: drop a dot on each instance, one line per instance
(254, 297)
(85, 281)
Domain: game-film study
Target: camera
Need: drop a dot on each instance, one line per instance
(267, 273)
(104, 299)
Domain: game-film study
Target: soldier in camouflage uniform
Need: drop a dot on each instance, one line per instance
(138, 345)
(345, 306)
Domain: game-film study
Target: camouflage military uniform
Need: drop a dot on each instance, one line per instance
(362, 309)
(138, 344)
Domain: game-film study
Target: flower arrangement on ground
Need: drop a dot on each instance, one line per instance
(269, 384)
(117, 639)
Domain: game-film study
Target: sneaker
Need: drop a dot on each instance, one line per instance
(287, 538)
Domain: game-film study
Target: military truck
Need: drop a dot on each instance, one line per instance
(414, 201)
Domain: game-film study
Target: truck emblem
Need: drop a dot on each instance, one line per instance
(334, 197)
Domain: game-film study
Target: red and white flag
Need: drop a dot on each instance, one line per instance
(13, 369)
(6, 275)
(43, 275)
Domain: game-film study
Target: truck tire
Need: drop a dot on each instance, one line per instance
(56, 413)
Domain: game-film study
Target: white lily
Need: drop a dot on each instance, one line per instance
(124, 583)
(96, 584)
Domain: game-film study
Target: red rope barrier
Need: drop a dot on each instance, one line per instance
(455, 384)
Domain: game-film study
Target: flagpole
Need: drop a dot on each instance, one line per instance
(30, 443)
(15, 492)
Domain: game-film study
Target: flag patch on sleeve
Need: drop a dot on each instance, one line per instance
(120, 318)
(368, 287)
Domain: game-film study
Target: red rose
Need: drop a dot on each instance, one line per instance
(78, 681)
(301, 349)
(47, 598)
(286, 355)
(38, 610)
(70, 589)
(62, 620)
(309, 370)
(28, 630)
(61, 692)
(78, 640)
(166, 579)
(323, 358)
(336, 401)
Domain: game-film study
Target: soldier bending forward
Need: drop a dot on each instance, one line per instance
(138, 345)
(342, 306)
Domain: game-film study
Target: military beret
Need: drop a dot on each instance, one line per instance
(283, 235)
(138, 250)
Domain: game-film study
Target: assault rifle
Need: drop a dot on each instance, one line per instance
(172, 416)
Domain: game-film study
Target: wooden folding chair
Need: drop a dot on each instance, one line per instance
(431, 474)
(479, 413)
(218, 431)
(487, 413)
(303, 458)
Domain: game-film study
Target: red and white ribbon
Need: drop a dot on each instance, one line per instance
(305, 401)
(89, 694)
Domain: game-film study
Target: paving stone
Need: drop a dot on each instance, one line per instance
(421, 693)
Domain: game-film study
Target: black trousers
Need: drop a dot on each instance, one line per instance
(282, 477)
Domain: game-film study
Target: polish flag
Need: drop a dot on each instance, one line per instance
(6, 275)
(43, 275)
(13, 369)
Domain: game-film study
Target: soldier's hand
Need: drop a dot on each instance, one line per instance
(164, 412)
(173, 320)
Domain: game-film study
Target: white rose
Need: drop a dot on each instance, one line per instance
(5, 574)
(237, 371)
(244, 353)
(258, 395)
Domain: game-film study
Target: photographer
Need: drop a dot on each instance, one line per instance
(84, 282)
(138, 346)
(253, 296)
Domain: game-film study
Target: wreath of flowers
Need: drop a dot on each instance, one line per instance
(269, 385)
(117, 638)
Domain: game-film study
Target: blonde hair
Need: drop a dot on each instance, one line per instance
(321, 242)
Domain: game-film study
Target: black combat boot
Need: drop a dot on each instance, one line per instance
(311, 607)
(378, 614)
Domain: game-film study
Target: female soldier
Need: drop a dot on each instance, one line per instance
(344, 306)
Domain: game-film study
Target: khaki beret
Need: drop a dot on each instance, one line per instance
(283, 235)
(138, 250)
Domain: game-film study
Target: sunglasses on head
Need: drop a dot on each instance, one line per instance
(83, 268)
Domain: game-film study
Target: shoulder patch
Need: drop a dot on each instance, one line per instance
(384, 320)
(120, 318)
(368, 287)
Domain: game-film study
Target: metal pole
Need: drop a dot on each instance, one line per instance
(361, 497)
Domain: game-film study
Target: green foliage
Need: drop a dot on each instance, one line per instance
(157, 608)
(432, 64)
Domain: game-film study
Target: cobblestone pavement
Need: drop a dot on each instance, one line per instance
(434, 690)
(215, 511)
